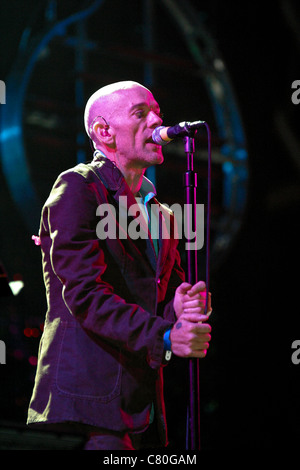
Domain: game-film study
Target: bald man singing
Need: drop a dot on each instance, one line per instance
(118, 304)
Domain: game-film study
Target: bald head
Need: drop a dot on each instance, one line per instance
(120, 119)
(105, 101)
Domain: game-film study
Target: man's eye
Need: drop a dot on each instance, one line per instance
(140, 114)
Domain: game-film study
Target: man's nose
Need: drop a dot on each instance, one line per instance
(154, 119)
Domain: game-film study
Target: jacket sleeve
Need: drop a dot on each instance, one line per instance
(78, 261)
(176, 278)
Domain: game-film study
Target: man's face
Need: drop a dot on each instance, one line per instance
(133, 120)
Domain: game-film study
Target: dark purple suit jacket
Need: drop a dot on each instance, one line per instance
(109, 304)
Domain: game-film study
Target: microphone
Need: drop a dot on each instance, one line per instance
(163, 135)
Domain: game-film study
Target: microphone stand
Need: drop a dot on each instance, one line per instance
(190, 185)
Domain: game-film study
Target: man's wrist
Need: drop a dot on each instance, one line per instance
(167, 344)
(167, 340)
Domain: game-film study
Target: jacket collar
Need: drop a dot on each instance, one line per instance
(107, 171)
(113, 179)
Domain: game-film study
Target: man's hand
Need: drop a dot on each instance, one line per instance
(190, 336)
(191, 299)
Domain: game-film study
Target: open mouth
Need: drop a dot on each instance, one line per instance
(150, 141)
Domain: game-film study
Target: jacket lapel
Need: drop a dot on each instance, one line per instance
(164, 230)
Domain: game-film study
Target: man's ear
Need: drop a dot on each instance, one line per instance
(103, 133)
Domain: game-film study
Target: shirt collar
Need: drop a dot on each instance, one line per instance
(147, 190)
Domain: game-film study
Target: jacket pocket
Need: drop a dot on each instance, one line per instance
(85, 370)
